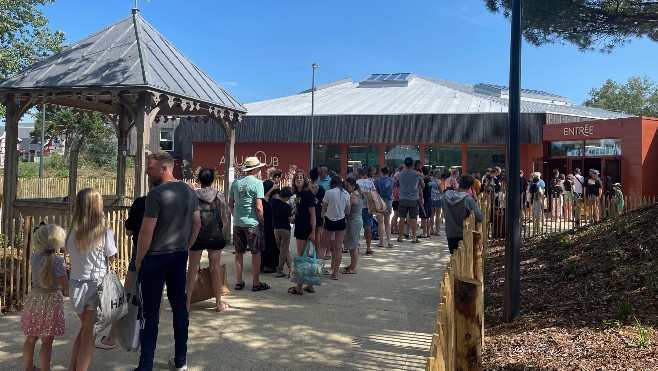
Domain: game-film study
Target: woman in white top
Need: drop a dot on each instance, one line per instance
(366, 184)
(335, 205)
(437, 202)
(91, 248)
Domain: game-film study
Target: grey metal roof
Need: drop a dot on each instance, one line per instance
(129, 53)
(422, 95)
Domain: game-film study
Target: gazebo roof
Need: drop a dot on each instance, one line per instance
(129, 54)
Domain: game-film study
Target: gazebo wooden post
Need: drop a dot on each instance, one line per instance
(228, 125)
(140, 149)
(122, 134)
(11, 161)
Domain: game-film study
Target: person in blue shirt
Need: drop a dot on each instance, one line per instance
(384, 186)
(323, 177)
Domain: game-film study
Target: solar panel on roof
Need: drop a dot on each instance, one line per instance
(403, 76)
(382, 77)
(372, 77)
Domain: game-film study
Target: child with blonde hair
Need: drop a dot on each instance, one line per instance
(91, 248)
(43, 313)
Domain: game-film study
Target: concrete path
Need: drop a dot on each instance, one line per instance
(379, 319)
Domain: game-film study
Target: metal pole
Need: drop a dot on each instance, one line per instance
(513, 199)
(314, 66)
(43, 139)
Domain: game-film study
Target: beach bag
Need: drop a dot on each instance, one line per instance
(112, 303)
(203, 285)
(307, 270)
(129, 326)
(375, 230)
(375, 203)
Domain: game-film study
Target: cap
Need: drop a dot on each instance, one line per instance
(596, 172)
(408, 161)
(617, 185)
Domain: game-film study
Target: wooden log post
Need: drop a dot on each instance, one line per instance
(468, 320)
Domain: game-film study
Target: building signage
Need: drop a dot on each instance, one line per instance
(584, 131)
(262, 157)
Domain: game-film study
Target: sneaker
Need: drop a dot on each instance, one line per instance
(172, 364)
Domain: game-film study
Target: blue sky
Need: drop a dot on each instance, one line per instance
(264, 49)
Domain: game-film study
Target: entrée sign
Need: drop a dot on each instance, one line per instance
(585, 131)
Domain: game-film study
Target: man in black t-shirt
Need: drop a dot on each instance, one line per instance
(593, 193)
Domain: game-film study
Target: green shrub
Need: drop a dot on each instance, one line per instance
(28, 170)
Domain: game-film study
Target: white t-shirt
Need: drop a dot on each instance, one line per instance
(578, 182)
(91, 265)
(336, 201)
(366, 185)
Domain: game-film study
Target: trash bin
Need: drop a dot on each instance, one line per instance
(498, 222)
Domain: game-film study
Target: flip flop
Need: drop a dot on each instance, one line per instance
(335, 278)
(293, 290)
(309, 290)
(239, 286)
(348, 271)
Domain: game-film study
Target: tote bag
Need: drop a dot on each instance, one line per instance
(203, 285)
(375, 203)
(307, 270)
(112, 303)
(129, 326)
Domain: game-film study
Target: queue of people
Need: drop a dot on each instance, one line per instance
(174, 224)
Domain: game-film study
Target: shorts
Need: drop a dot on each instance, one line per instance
(251, 237)
(302, 229)
(334, 226)
(408, 207)
(396, 205)
(427, 206)
(389, 206)
(84, 294)
(437, 204)
(368, 220)
(208, 245)
(453, 243)
(319, 220)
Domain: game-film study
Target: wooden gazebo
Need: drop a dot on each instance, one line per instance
(131, 74)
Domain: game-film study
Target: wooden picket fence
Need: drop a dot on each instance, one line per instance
(58, 187)
(459, 338)
(553, 214)
(15, 250)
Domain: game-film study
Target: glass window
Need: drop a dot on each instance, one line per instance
(603, 147)
(329, 156)
(566, 148)
(166, 139)
(395, 154)
(444, 158)
(481, 158)
(364, 155)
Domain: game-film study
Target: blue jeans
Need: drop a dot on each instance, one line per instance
(154, 272)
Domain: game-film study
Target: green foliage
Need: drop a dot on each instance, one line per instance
(611, 322)
(637, 97)
(588, 24)
(28, 170)
(102, 153)
(643, 333)
(625, 309)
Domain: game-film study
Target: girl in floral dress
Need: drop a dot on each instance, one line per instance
(43, 314)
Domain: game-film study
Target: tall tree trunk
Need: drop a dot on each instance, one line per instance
(73, 178)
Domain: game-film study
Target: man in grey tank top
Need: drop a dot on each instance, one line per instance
(408, 181)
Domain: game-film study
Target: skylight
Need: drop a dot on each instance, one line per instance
(386, 79)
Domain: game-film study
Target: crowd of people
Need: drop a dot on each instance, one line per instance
(175, 223)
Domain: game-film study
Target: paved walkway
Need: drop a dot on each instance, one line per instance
(380, 319)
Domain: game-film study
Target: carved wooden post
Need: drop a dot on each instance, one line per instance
(468, 323)
(11, 166)
(122, 134)
(140, 159)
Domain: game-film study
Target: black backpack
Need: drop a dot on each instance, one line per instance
(211, 221)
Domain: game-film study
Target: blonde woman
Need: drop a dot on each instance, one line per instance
(91, 248)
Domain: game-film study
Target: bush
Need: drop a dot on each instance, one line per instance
(28, 170)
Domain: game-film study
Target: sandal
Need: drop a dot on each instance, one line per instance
(293, 290)
(415, 241)
(262, 287)
(348, 271)
(400, 240)
(239, 286)
(368, 252)
(307, 289)
(335, 278)
(281, 275)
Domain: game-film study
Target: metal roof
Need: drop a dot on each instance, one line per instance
(129, 53)
(422, 95)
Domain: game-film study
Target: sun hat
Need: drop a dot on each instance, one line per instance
(408, 161)
(617, 185)
(251, 163)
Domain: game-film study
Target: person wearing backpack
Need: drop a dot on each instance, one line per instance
(212, 207)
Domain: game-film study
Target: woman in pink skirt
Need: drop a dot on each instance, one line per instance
(43, 313)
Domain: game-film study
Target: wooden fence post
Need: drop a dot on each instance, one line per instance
(468, 323)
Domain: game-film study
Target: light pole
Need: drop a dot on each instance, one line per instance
(314, 65)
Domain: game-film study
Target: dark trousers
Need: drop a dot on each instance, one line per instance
(154, 272)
